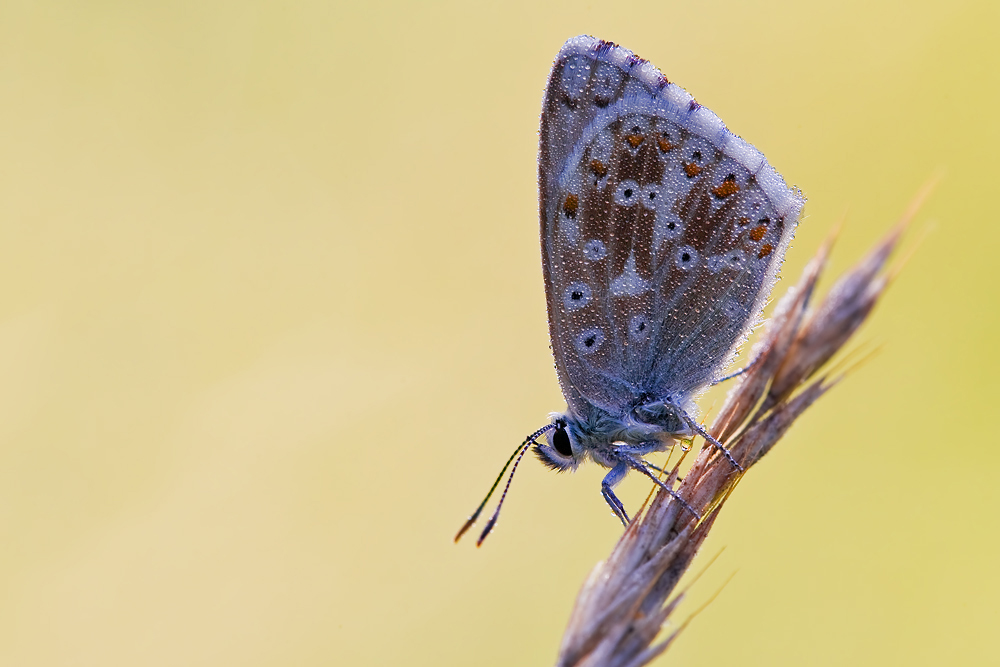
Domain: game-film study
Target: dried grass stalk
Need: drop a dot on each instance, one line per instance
(623, 605)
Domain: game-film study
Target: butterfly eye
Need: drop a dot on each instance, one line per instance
(560, 440)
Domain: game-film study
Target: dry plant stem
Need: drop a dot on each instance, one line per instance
(623, 606)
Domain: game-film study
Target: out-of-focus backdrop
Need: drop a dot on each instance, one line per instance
(271, 319)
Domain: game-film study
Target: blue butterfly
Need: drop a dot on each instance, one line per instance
(662, 234)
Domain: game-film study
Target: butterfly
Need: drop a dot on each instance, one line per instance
(662, 234)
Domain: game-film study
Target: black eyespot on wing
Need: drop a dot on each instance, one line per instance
(560, 440)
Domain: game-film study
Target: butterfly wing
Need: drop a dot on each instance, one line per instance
(736, 237)
(661, 231)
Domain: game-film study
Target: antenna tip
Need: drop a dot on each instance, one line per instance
(487, 529)
(465, 527)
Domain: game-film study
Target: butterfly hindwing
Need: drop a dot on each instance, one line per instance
(731, 234)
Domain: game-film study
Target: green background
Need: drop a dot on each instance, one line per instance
(271, 319)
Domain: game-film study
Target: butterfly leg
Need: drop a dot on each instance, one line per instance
(708, 438)
(611, 480)
(660, 470)
(739, 372)
(642, 466)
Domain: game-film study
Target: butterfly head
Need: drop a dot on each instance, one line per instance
(599, 436)
(563, 450)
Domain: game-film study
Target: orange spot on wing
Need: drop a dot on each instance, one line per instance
(765, 250)
(665, 144)
(728, 187)
(598, 168)
(571, 204)
(634, 139)
(757, 233)
(691, 169)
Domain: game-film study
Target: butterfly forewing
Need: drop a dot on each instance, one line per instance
(661, 231)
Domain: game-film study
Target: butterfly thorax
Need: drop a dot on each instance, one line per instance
(607, 438)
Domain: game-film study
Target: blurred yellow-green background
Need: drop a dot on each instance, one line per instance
(271, 319)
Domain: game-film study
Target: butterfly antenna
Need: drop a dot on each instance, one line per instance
(518, 453)
(496, 513)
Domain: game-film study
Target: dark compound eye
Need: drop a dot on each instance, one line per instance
(560, 440)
